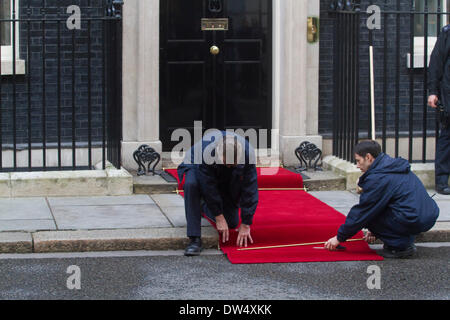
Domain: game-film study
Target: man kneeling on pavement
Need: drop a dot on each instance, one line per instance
(394, 204)
(219, 187)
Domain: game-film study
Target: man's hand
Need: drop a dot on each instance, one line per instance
(432, 101)
(244, 235)
(222, 227)
(332, 244)
(369, 237)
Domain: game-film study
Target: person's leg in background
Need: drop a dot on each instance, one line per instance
(442, 162)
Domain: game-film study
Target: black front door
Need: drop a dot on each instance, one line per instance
(228, 89)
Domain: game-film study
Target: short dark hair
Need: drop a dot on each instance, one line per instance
(369, 146)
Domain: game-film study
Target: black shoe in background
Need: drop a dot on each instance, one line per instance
(194, 248)
(393, 253)
(443, 189)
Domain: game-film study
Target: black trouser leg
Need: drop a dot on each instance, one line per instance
(442, 163)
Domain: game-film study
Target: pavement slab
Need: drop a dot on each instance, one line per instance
(100, 201)
(177, 217)
(24, 209)
(168, 200)
(437, 196)
(27, 225)
(444, 206)
(336, 199)
(109, 217)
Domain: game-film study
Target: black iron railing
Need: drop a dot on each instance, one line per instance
(401, 44)
(60, 86)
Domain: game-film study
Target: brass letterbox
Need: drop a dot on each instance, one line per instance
(219, 24)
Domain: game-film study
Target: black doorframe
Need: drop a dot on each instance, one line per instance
(210, 116)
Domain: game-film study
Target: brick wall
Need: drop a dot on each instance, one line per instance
(39, 49)
(403, 42)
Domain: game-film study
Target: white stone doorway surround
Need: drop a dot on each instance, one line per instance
(295, 116)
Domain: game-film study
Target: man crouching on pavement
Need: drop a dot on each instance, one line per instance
(394, 205)
(220, 188)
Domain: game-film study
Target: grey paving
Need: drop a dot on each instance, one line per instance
(343, 210)
(100, 201)
(138, 212)
(438, 196)
(177, 216)
(24, 208)
(168, 200)
(27, 225)
(109, 217)
(336, 199)
(444, 206)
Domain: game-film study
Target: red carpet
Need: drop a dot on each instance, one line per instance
(290, 217)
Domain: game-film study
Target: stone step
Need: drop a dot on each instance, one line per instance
(323, 181)
(152, 184)
(316, 181)
(108, 182)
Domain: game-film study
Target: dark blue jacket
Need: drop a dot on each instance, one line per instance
(439, 69)
(391, 189)
(219, 183)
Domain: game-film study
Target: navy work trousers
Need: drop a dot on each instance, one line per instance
(393, 234)
(195, 205)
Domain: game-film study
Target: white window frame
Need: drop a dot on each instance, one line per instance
(419, 45)
(7, 54)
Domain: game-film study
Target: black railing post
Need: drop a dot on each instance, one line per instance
(114, 76)
(425, 85)
(346, 77)
(14, 93)
(385, 73)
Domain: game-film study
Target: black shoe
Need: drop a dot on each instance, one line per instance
(194, 247)
(443, 189)
(392, 253)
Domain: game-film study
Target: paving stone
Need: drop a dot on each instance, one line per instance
(26, 225)
(24, 208)
(177, 216)
(444, 206)
(168, 200)
(109, 217)
(336, 199)
(343, 210)
(438, 196)
(100, 201)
